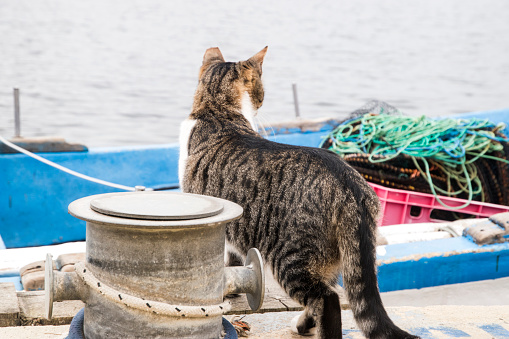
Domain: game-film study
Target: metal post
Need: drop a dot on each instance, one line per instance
(17, 123)
(166, 255)
(296, 100)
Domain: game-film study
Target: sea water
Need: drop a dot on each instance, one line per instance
(123, 72)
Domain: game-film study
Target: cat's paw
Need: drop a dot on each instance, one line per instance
(293, 326)
(406, 335)
(402, 335)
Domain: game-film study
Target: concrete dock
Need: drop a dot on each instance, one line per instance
(431, 322)
(474, 310)
(440, 322)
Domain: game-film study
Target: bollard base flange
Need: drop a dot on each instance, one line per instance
(48, 286)
(76, 328)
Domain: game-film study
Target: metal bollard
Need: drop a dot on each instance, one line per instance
(155, 266)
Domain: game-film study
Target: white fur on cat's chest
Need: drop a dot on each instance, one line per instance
(247, 109)
(185, 131)
(187, 126)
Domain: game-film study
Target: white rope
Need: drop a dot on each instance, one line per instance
(156, 307)
(62, 168)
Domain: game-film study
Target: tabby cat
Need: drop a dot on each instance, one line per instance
(309, 213)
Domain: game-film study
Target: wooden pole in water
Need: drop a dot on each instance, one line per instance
(295, 100)
(17, 122)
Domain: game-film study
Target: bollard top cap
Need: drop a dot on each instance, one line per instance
(191, 214)
(157, 206)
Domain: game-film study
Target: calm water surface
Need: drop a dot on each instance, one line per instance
(114, 72)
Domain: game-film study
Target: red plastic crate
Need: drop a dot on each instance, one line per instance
(396, 205)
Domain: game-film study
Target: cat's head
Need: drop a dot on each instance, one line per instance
(228, 83)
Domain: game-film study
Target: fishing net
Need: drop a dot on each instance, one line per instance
(462, 158)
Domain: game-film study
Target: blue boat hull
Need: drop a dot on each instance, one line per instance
(440, 262)
(35, 196)
(34, 199)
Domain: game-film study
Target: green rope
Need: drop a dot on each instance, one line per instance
(451, 144)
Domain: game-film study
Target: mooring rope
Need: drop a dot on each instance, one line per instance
(65, 169)
(451, 144)
(156, 307)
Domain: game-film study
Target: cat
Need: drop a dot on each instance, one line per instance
(309, 213)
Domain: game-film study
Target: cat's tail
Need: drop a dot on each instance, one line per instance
(359, 274)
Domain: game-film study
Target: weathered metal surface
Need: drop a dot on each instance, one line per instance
(81, 209)
(184, 267)
(32, 309)
(157, 206)
(249, 279)
(177, 262)
(60, 286)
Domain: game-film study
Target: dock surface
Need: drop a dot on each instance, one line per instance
(431, 322)
(21, 312)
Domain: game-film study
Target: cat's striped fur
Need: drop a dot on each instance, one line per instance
(308, 212)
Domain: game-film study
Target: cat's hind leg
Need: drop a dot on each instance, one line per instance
(328, 315)
(324, 318)
(320, 299)
(304, 324)
(360, 279)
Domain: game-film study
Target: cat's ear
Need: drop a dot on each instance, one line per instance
(212, 54)
(257, 59)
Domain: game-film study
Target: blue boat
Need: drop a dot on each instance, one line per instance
(34, 199)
